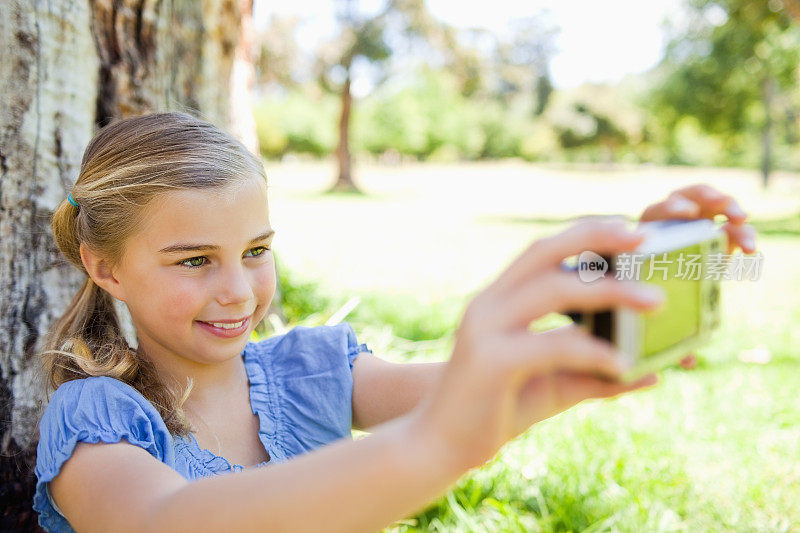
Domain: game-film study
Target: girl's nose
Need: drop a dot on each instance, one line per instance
(234, 286)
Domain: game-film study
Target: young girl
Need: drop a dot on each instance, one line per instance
(197, 429)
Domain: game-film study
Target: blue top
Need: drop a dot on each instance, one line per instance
(301, 388)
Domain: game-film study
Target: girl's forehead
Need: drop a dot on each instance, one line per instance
(247, 193)
(226, 213)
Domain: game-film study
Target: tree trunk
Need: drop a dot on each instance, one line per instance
(766, 155)
(344, 182)
(67, 68)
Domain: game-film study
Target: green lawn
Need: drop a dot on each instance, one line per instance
(715, 448)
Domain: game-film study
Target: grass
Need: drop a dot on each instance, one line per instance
(779, 226)
(673, 458)
(716, 448)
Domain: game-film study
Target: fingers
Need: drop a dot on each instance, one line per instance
(567, 348)
(689, 362)
(743, 236)
(676, 207)
(557, 291)
(713, 202)
(696, 201)
(602, 237)
(608, 390)
(582, 386)
(704, 201)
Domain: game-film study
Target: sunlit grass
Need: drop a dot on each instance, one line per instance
(715, 448)
(779, 226)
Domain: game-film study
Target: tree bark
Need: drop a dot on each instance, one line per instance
(67, 68)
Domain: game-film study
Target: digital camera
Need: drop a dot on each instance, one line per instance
(684, 258)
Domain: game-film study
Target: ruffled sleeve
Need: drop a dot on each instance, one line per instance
(310, 396)
(94, 409)
(353, 346)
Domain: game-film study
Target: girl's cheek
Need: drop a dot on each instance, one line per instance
(266, 280)
(181, 296)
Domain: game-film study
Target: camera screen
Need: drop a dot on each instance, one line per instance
(680, 277)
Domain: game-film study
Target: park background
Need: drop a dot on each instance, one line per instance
(467, 142)
(413, 149)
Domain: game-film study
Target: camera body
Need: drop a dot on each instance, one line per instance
(683, 257)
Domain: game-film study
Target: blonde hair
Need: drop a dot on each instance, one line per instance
(126, 165)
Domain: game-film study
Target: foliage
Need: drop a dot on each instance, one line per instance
(443, 95)
(361, 38)
(407, 317)
(734, 65)
(429, 119)
(293, 122)
(307, 301)
(300, 299)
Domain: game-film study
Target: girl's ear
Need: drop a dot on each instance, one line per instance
(101, 273)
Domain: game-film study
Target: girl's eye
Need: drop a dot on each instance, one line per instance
(193, 261)
(262, 251)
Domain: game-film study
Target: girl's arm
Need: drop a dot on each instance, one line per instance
(383, 390)
(500, 379)
(347, 486)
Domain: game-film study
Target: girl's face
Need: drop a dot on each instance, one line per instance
(202, 256)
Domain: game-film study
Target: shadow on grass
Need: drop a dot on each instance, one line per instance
(499, 219)
(342, 195)
(787, 226)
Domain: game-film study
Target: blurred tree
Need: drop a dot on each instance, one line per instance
(404, 28)
(603, 131)
(596, 116)
(279, 55)
(522, 62)
(735, 70)
(69, 68)
(466, 62)
(404, 42)
(362, 38)
(439, 45)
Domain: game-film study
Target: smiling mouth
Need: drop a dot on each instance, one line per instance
(226, 324)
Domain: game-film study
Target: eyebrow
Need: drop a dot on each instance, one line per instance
(181, 247)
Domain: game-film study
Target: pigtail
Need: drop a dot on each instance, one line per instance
(87, 340)
(125, 166)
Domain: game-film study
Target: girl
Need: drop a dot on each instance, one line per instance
(193, 428)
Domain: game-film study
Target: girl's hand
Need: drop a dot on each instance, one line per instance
(502, 377)
(704, 201)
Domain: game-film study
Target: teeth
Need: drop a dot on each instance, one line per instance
(227, 326)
